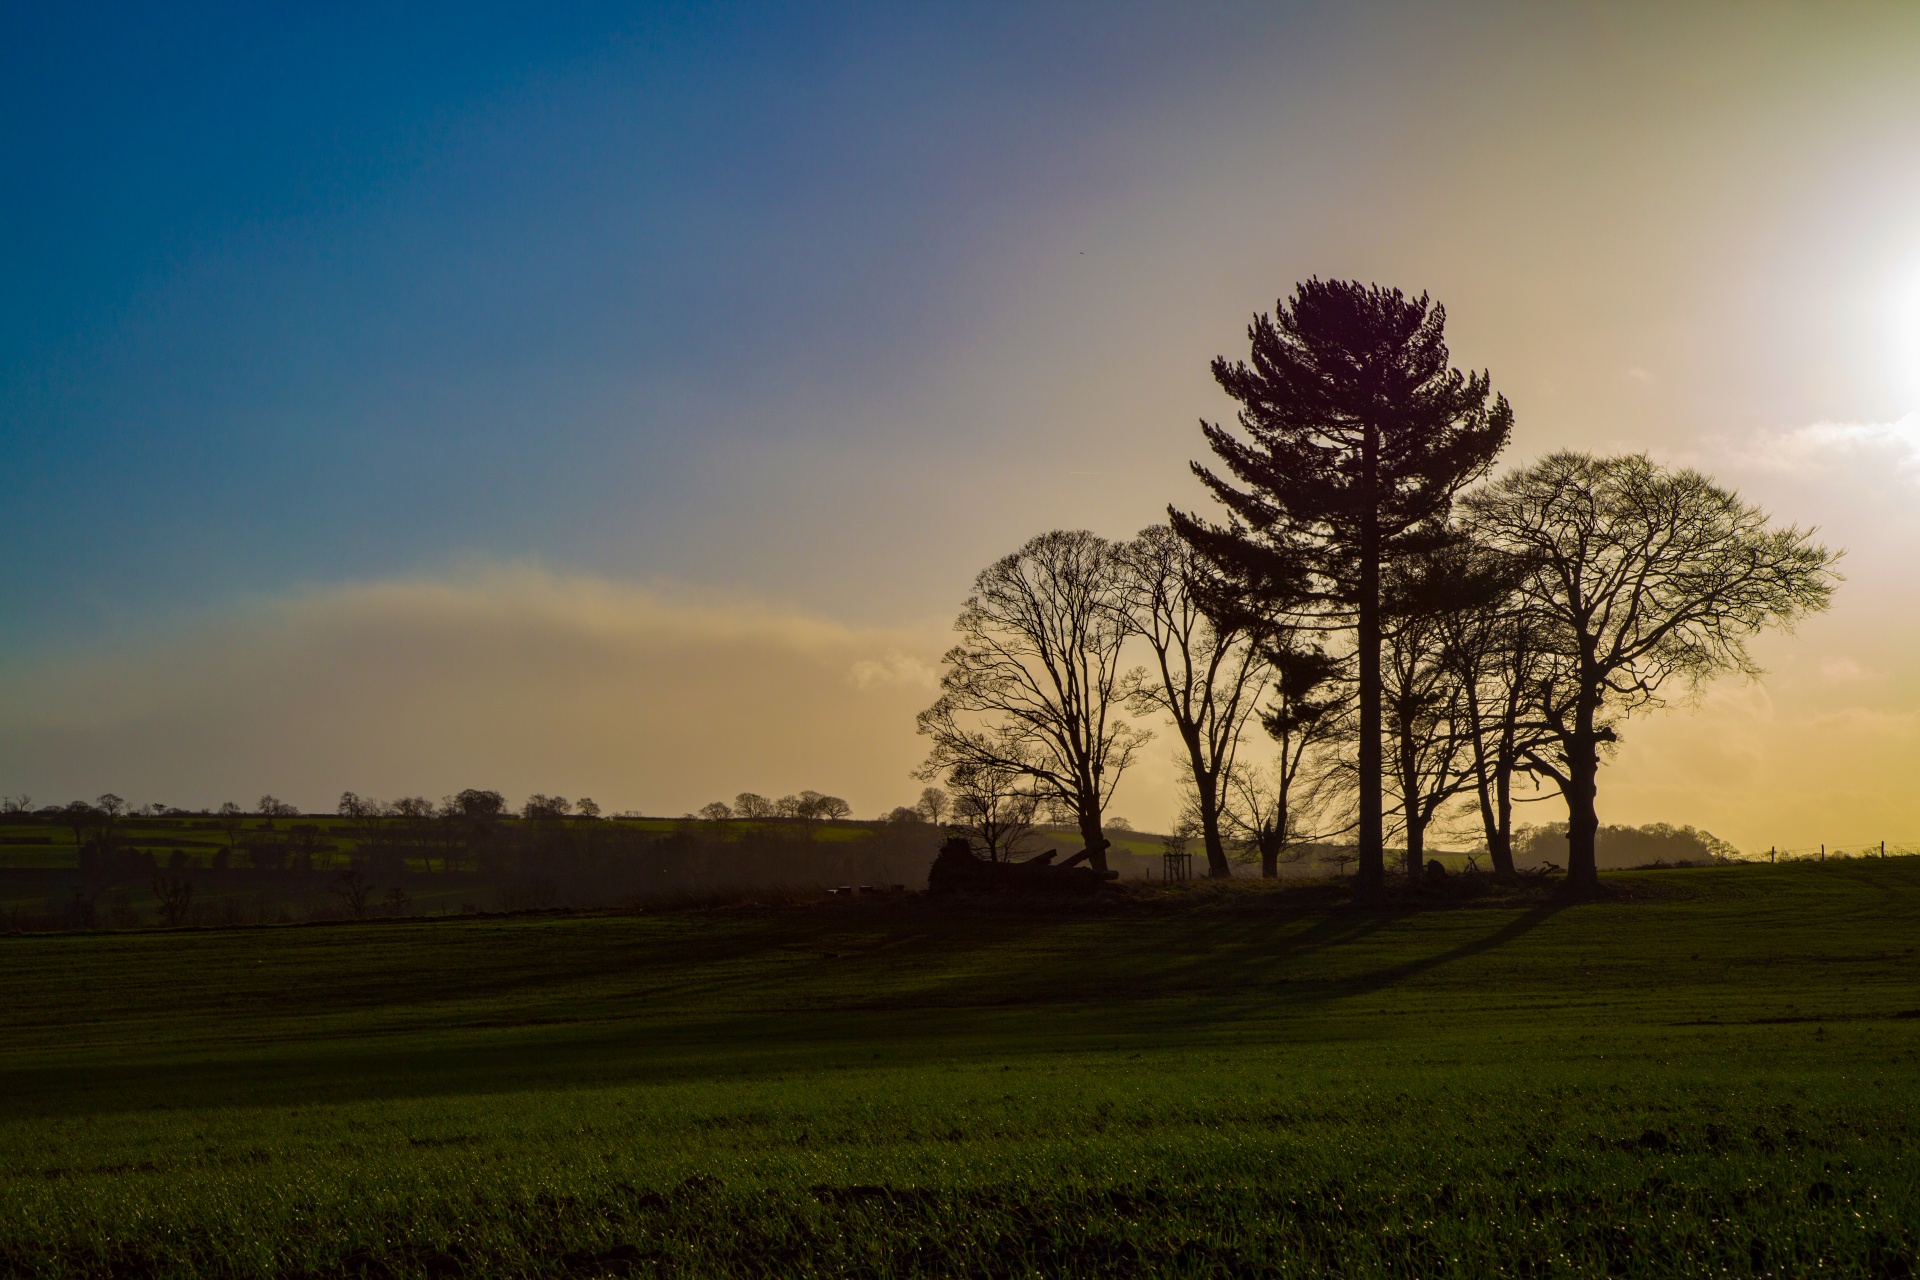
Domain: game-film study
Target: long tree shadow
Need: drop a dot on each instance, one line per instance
(1379, 979)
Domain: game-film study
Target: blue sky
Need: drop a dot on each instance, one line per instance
(302, 293)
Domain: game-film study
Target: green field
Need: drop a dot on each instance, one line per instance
(1714, 1075)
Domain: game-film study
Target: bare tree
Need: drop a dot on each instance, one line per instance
(354, 892)
(1207, 673)
(80, 818)
(543, 808)
(749, 805)
(933, 804)
(418, 822)
(1496, 653)
(271, 808)
(233, 820)
(1640, 578)
(994, 805)
(1424, 703)
(1268, 803)
(174, 894)
(718, 811)
(1035, 684)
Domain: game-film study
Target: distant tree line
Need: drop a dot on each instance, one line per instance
(370, 858)
(1371, 637)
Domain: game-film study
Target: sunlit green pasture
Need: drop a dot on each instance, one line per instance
(1716, 1075)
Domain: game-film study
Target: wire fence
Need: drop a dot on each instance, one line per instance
(1823, 852)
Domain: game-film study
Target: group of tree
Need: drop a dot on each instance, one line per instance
(808, 806)
(1416, 640)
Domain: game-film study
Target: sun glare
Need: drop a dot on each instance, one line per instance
(1900, 329)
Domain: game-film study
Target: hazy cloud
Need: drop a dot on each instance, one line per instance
(894, 671)
(1829, 446)
(508, 677)
(1839, 669)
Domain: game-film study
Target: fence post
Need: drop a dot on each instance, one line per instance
(1772, 854)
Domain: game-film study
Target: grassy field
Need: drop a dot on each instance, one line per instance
(1712, 1075)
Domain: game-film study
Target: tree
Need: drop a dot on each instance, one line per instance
(233, 820)
(830, 808)
(470, 821)
(418, 818)
(1302, 717)
(1496, 654)
(478, 806)
(1641, 578)
(718, 811)
(586, 808)
(354, 891)
(1208, 663)
(80, 818)
(271, 808)
(994, 805)
(1423, 704)
(541, 808)
(933, 804)
(1035, 684)
(1360, 435)
(1425, 696)
(749, 805)
(174, 895)
(111, 805)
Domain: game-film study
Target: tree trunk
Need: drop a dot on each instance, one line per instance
(1270, 858)
(1410, 799)
(1583, 821)
(1500, 831)
(1371, 882)
(1410, 795)
(1207, 792)
(1091, 835)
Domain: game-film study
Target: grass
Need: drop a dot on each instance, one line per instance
(1713, 1074)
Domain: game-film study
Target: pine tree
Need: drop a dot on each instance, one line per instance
(1358, 434)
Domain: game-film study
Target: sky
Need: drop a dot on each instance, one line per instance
(618, 400)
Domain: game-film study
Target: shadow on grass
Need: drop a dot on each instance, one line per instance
(1512, 931)
(1016, 991)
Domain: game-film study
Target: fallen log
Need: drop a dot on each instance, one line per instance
(959, 869)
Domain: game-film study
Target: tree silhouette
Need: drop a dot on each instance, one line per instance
(1302, 715)
(750, 804)
(1207, 669)
(1639, 577)
(933, 804)
(1358, 436)
(1035, 684)
(1495, 650)
(991, 804)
